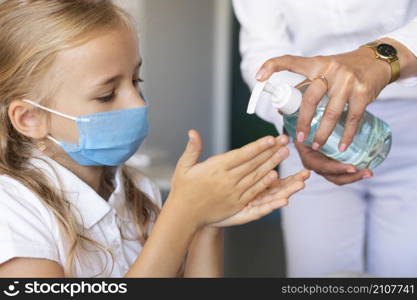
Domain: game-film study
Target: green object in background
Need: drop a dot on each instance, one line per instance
(254, 249)
(245, 128)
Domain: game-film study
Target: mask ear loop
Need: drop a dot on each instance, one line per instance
(53, 139)
(55, 112)
(43, 146)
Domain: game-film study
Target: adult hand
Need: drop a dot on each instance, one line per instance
(355, 78)
(334, 171)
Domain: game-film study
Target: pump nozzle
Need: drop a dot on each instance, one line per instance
(283, 97)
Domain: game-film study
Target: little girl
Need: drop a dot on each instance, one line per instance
(71, 115)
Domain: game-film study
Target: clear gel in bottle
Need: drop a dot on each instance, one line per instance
(369, 147)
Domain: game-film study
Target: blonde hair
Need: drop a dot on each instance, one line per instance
(32, 32)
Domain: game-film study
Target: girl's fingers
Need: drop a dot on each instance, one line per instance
(263, 168)
(279, 192)
(266, 202)
(269, 159)
(192, 151)
(283, 188)
(239, 156)
(289, 189)
(302, 175)
(251, 213)
(250, 193)
(257, 212)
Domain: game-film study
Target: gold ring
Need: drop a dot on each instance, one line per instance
(324, 79)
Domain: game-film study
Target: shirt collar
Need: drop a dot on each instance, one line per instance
(89, 206)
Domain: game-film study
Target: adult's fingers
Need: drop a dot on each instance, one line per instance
(349, 178)
(296, 64)
(357, 107)
(334, 110)
(321, 164)
(311, 98)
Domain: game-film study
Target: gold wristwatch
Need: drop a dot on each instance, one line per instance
(388, 53)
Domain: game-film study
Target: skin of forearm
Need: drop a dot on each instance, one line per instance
(408, 61)
(166, 246)
(205, 255)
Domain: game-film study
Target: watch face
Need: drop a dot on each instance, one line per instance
(386, 50)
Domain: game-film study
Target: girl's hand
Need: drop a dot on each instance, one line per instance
(355, 78)
(222, 185)
(276, 196)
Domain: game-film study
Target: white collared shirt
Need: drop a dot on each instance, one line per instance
(271, 28)
(29, 229)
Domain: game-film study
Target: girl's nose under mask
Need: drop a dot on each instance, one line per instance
(108, 138)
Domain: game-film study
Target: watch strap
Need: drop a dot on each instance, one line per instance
(394, 62)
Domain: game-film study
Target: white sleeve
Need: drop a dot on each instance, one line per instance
(264, 35)
(406, 35)
(24, 229)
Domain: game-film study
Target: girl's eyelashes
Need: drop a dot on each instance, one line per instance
(106, 98)
(137, 81)
(110, 97)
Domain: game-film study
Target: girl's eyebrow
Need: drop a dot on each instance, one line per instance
(114, 78)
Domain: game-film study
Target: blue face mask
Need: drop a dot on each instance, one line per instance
(108, 138)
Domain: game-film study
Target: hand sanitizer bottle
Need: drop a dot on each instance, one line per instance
(369, 147)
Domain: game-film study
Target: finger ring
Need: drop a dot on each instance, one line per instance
(324, 79)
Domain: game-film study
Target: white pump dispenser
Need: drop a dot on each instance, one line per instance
(284, 97)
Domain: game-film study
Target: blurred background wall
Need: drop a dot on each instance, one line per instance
(192, 80)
